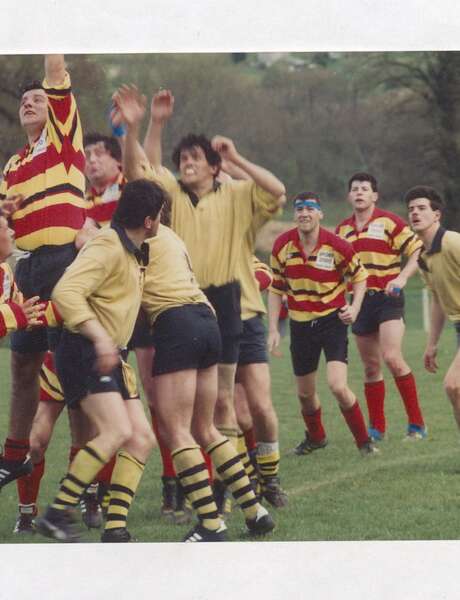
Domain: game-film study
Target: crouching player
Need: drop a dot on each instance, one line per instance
(99, 298)
(310, 265)
(187, 350)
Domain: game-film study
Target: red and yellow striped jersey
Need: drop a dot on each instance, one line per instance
(315, 285)
(380, 244)
(49, 175)
(12, 316)
(50, 388)
(101, 206)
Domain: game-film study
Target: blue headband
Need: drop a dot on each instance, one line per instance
(310, 203)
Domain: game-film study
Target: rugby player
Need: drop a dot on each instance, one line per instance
(187, 349)
(99, 298)
(381, 240)
(439, 265)
(310, 265)
(47, 173)
(212, 219)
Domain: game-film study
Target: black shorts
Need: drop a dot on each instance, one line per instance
(185, 337)
(142, 336)
(377, 308)
(37, 275)
(75, 360)
(226, 301)
(253, 343)
(308, 339)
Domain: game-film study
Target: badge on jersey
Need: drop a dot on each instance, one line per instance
(376, 230)
(325, 260)
(40, 146)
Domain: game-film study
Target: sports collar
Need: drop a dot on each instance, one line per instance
(193, 197)
(141, 254)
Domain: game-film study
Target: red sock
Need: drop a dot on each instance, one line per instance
(375, 399)
(250, 439)
(72, 452)
(355, 421)
(29, 485)
(168, 467)
(408, 390)
(315, 426)
(16, 449)
(208, 461)
(105, 474)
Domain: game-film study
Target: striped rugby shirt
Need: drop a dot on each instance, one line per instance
(49, 174)
(380, 245)
(315, 285)
(101, 206)
(12, 316)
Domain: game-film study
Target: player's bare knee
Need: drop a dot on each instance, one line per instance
(452, 389)
(395, 362)
(339, 390)
(372, 371)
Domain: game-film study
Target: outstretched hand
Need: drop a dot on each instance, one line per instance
(162, 106)
(225, 147)
(33, 311)
(129, 104)
(11, 204)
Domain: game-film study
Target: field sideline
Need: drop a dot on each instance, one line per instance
(408, 492)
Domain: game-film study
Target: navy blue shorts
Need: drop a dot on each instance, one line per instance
(75, 360)
(185, 337)
(226, 301)
(310, 338)
(253, 343)
(377, 308)
(37, 275)
(142, 336)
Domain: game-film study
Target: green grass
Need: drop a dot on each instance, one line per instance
(409, 491)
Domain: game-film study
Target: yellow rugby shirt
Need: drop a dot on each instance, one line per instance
(104, 282)
(251, 273)
(213, 227)
(315, 285)
(49, 174)
(169, 278)
(440, 268)
(380, 245)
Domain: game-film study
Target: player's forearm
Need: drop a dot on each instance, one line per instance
(133, 154)
(54, 69)
(359, 289)
(437, 320)
(152, 143)
(274, 306)
(94, 331)
(411, 266)
(262, 177)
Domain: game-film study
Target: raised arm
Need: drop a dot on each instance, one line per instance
(131, 105)
(54, 69)
(161, 110)
(262, 177)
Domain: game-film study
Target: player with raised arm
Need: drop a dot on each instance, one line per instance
(99, 298)
(212, 218)
(439, 264)
(381, 240)
(47, 176)
(311, 265)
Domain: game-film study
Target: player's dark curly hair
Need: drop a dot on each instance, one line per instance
(110, 143)
(139, 199)
(193, 140)
(425, 191)
(362, 176)
(30, 85)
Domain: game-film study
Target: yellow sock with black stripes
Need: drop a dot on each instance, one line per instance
(126, 476)
(244, 456)
(268, 459)
(231, 470)
(83, 469)
(193, 476)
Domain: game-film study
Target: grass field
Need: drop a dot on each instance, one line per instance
(409, 491)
